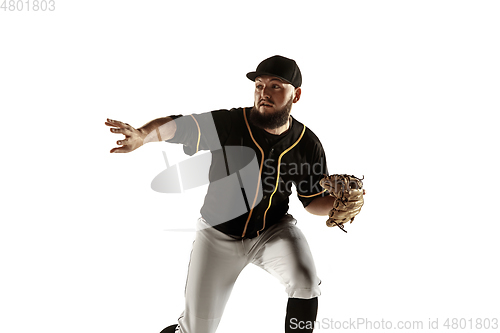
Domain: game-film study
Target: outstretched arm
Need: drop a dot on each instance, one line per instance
(156, 130)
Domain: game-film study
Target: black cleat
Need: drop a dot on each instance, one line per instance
(170, 329)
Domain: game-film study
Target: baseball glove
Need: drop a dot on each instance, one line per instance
(348, 193)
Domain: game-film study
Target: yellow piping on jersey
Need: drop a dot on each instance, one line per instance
(260, 172)
(278, 176)
(312, 195)
(199, 134)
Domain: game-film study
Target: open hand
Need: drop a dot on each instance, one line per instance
(134, 138)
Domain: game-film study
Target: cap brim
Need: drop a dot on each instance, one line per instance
(253, 75)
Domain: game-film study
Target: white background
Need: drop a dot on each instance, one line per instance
(403, 92)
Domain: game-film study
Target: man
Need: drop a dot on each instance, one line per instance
(261, 232)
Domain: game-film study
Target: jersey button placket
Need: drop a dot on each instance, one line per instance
(269, 157)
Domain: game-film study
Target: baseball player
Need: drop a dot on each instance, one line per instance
(287, 154)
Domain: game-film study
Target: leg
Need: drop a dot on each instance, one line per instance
(285, 254)
(216, 261)
(301, 315)
(283, 251)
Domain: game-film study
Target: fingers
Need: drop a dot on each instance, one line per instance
(123, 149)
(123, 128)
(116, 123)
(111, 122)
(124, 131)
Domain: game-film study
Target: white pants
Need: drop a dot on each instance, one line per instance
(217, 260)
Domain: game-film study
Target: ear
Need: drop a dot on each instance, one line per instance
(298, 91)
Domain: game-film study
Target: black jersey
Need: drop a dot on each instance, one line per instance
(249, 204)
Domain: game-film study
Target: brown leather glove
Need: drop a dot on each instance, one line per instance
(348, 193)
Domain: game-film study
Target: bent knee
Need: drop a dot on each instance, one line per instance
(304, 285)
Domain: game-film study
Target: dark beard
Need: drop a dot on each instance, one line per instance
(271, 120)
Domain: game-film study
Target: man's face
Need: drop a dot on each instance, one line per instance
(273, 99)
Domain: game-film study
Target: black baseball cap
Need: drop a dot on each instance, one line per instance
(281, 67)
